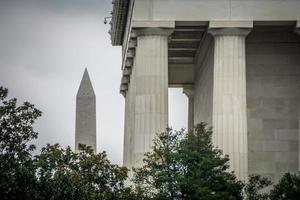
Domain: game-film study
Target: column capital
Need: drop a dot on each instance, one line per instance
(154, 31)
(297, 30)
(219, 28)
(188, 90)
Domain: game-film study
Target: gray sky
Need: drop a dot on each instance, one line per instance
(45, 46)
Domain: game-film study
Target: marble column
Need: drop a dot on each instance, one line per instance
(229, 97)
(126, 131)
(189, 92)
(129, 120)
(151, 88)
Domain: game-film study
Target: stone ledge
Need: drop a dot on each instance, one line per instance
(153, 24)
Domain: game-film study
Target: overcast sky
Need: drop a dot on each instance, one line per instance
(45, 46)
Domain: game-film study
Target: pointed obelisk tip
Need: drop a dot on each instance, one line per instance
(85, 73)
(85, 88)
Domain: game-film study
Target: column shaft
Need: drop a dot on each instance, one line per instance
(229, 101)
(151, 97)
(191, 113)
(129, 131)
(126, 131)
(189, 92)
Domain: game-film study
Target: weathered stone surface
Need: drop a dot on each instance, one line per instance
(85, 130)
(229, 117)
(265, 115)
(129, 125)
(273, 100)
(203, 88)
(151, 90)
(188, 90)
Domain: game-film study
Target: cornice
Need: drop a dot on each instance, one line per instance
(118, 21)
(242, 28)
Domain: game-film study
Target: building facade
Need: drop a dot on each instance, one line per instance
(238, 61)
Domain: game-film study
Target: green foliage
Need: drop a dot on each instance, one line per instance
(63, 174)
(255, 186)
(56, 173)
(205, 168)
(158, 177)
(288, 188)
(181, 166)
(186, 167)
(17, 171)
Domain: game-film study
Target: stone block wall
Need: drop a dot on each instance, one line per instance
(273, 96)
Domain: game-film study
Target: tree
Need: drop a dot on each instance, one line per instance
(186, 167)
(180, 166)
(255, 186)
(288, 188)
(158, 177)
(17, 172)
(63, 174)
(206, 173)
(56, 173)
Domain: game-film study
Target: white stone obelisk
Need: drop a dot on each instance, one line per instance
(85, 131)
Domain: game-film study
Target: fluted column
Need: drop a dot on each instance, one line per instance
(229, 97)
(129, 127)
(189, 92)
(151, 82)
(126, 131)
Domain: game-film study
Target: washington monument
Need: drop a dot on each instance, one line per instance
(85, 131)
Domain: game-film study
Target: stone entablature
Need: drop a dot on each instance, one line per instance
(216, 10)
